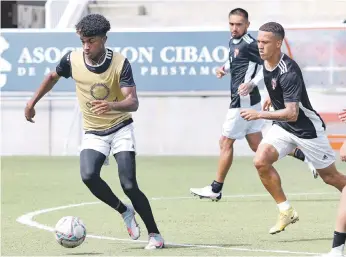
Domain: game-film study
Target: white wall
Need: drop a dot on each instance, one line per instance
(164, 125)
(182, 13)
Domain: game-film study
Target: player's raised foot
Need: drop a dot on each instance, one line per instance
(131, 223)
(206, 192)
(285, 218)
(312, 169)
(155, 242)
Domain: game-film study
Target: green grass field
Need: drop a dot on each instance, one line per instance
(237, 225)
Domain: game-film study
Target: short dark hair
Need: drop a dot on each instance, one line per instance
(239, 11)
(93, 25)
(275, 28)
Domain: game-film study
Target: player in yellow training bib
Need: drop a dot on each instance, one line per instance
(106, 94)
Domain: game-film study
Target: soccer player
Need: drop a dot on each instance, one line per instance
(245, 67)
(342, 117)
(339, 240)
(295, 124)
(106, 92)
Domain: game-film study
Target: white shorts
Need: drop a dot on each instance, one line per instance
(119, 141)
(235, 127)
(317, 150)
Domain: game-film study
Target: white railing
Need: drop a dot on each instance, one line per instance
(73, 12)
(54, 12)
(64, 13)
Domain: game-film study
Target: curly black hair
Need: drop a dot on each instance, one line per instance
(93, 25)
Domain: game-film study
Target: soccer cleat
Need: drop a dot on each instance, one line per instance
(333, 253)
(312, 169)
(206, 192)
(131, 223)
(155, 242)
(285, 218)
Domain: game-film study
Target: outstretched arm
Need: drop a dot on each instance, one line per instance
(48, 83)
(62, 69)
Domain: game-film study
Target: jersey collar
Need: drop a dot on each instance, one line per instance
(237, 40)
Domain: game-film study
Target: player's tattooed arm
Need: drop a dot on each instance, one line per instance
(342, 115)
(290, 113)
(291, 84)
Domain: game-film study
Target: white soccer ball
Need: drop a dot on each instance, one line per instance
(70, 232)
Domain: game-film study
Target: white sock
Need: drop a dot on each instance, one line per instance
(284, 206)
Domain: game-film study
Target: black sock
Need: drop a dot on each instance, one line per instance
(121, 208)
(339, 239)
(216, 187)
(102, 191)
(299, 154)
(142, 206)
(127, 174)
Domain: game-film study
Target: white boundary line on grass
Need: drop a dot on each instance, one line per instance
(27, 219)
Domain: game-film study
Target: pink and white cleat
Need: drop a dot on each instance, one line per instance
(155, 242)
(131, 223)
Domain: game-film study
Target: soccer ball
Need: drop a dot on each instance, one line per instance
(70, 232)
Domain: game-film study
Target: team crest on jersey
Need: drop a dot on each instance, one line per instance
(99, 91)
(273, 83)
(236, 52)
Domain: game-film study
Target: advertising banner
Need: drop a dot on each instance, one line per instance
(166, 61)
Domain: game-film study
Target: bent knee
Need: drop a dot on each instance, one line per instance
(260, 163)
(129, 188)
(265, 156)
(226, 143)
(89, 177)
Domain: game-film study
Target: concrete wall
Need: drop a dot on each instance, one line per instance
(164, 125)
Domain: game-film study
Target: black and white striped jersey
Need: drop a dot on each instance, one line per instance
(285, 83)
(244, 63)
